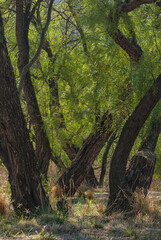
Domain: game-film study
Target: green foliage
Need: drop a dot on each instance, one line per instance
(88, 85)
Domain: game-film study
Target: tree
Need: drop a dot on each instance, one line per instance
(140, 171)
(80, 167)
(117, 176)
(24, 15)
(26, 187)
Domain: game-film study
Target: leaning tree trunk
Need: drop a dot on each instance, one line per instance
(81, 165)
(129, 133)
(140, 171)
(26, 187)
(138, 179)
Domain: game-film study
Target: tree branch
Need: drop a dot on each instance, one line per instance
(34, 8)
(132, 49)
(135, 4)
(27, 66)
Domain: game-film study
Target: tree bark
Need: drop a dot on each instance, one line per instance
(91, 179)
(128, 136)
(80, 167)
(150, 140)
(26, 187)
(43, 150)
(104, 159)
(131, 48)
(140, 171)
(138, 179)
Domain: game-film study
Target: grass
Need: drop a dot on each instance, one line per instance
(86, 221)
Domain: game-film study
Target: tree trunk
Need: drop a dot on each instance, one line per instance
(129, 133)
(26, 187)
(150, 140)
(91, 179)
(138, 179)
(81, 165)
(104, 159)
(43, 150)
(140, 171)
(141, 168)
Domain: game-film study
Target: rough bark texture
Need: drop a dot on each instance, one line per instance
(43, 151)
(140, 171)
(81, 165)
(138, 179)
(128, 136)
(26, 187)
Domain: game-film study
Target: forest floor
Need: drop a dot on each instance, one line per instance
(85, 220)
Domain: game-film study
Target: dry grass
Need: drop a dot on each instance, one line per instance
(3, 205)
(86, 221)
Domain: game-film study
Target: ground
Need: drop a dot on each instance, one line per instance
(85, 220)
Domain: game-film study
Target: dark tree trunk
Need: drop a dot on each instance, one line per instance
(129, 133)
(27, 191)
(43, 150)
(104, 159)
(81, 165)
(3, 153)
(138, 179)
(140, 172)
(150, 140)
(91, 179)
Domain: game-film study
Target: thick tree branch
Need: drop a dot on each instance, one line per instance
(135, 4)
(81, 165)
(27, 66)
(131, 48)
